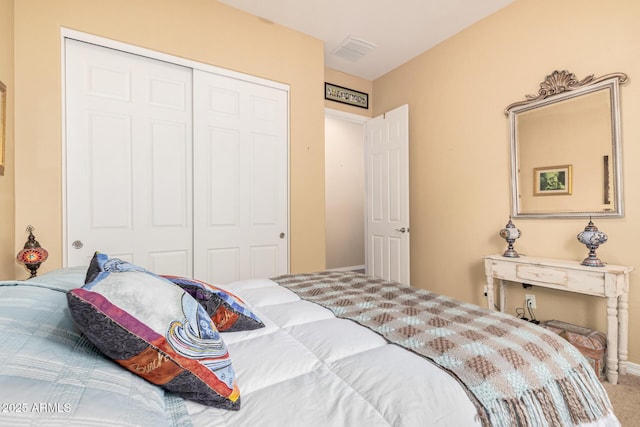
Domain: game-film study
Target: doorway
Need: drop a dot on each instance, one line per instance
(344, 190)
(367, 193)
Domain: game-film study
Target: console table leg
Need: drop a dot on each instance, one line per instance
(612, 340)
(623, 329)
(490, 303)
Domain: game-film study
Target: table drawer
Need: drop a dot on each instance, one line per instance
(533, 273)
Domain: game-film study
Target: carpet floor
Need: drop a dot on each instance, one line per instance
(625, 397)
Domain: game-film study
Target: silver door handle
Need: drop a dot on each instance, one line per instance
(402, 230)
(77, 244)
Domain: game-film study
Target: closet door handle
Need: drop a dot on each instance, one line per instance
(282, 235)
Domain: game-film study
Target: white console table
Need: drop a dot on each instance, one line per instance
(610, 281)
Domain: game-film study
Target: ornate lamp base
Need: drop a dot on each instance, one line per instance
(33, 268)
(592, 260)
(510, 233)
(511, 253)
(591, 237)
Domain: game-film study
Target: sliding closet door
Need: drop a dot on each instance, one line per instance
(241, 179)
(128, 159)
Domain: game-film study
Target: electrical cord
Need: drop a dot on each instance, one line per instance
(520, 314)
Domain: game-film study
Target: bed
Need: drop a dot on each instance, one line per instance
(323, 356)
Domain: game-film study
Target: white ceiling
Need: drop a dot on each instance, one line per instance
(401, 29)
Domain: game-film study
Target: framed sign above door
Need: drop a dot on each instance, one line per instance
(346, 96)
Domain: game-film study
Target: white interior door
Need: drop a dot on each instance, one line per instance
(241, 182)
(387, 200)
(128, 159)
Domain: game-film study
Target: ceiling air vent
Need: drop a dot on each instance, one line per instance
(353, 48)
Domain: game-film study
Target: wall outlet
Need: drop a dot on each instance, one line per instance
(530, 301)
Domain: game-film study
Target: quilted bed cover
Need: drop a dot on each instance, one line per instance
(309, 368)
(304, 368)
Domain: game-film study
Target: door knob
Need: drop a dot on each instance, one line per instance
(77, 244)
(402, 230)
(282, 235)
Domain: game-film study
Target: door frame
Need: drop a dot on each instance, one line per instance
(67, 33)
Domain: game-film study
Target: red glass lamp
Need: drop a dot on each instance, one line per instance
(32, 255)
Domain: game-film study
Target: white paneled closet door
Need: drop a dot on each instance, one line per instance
(241, 196)
(128, 159)
(176, 169)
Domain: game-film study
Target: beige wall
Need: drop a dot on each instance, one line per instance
(7, 235)
(459, 168)
(205, 31)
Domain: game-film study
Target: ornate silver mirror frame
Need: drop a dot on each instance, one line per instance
(566, 158)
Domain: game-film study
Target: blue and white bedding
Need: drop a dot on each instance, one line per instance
(50, 374)
(304, 368)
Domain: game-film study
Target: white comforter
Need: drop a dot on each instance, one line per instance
(305, 368)
(309, 368)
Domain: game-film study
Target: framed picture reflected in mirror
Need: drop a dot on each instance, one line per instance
(552, 180)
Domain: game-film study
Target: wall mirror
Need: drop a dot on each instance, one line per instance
(566, 148)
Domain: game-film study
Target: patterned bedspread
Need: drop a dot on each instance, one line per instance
(516, 373)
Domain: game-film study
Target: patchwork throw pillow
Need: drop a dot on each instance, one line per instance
(228, 312)
(156, 330)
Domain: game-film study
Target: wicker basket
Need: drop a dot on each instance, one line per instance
(592, 344)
